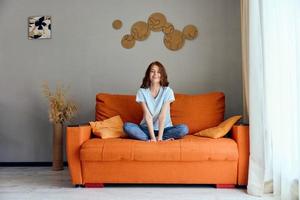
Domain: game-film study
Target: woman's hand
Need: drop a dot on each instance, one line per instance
(159, 139)
(152, 140)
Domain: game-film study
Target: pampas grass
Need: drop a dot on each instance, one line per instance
(60, 109)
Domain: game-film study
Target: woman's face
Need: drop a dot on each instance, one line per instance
(154, 74)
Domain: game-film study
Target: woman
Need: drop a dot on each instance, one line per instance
(155, 97)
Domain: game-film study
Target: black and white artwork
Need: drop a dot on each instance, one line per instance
(39, 27)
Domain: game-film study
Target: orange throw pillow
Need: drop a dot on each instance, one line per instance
(109, 128)
(220, 130)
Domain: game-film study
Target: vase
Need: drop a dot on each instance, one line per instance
(57, 147)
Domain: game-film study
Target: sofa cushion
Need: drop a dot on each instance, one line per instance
(190, 148)
(195, 148)
(109, 105)
(220, 130)
(198, 112)
(109, 128)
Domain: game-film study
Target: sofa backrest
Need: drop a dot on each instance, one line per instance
(109, 105)
(198, 112)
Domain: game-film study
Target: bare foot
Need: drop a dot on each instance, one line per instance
(169, 139)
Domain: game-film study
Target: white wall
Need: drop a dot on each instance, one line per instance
(85, 53)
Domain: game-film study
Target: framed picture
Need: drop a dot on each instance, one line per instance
(39, 27)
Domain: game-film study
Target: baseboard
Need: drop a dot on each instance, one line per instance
(28, 164)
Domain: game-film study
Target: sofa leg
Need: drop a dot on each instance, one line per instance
(78, 185)
(94, 185)
(225, 186)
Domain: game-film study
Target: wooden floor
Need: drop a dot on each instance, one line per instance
(43, 183)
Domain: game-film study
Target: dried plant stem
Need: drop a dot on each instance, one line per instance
(60, 109)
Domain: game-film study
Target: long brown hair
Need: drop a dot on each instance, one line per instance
(163, 75)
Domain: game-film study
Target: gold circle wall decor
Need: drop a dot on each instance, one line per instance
(117, 24)
(174, 41)
(190, 32)
(168, 28)
(157, 21)
(173, 38)
(140, 30)
(128, 41)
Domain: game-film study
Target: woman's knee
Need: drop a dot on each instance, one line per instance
(134, 131)
(127, 125)
(184, 129)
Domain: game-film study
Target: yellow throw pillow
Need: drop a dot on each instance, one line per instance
(109, 128)
(220, 130)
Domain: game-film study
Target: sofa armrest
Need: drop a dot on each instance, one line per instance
(240, 133)
(75, 137)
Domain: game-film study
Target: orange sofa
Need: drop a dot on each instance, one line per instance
(93, 161)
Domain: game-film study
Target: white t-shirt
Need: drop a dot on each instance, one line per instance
(155, 105)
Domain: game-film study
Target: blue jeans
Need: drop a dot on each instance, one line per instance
(139, 132)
